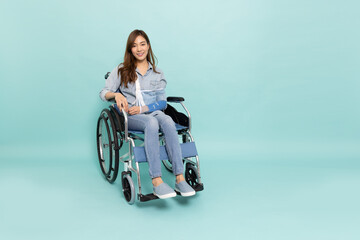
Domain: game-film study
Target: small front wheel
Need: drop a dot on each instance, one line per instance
(128, 188)
(191, 175)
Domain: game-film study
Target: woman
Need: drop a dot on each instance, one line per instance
(138, 87)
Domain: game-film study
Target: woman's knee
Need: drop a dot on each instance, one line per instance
(167, 122)
(152, 124)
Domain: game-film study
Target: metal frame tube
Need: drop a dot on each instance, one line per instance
(130, 166)
(138, 176)
(126, 124)
(196, 157)
(188, 113)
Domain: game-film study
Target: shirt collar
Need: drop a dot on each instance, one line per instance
(149, 67)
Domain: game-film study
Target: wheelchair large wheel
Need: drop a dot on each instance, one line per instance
(191, 175)
(104, 145)
(128, 187)
(108, 145)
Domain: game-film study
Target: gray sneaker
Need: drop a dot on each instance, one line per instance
(164, 191)
(184, 189)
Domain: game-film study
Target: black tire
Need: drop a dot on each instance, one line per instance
(103, 139)
(128, 188)
(111, 170)
(191, 175)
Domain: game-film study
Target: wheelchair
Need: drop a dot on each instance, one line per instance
(116, 143)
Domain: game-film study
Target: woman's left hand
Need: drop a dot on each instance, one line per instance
(134, 110)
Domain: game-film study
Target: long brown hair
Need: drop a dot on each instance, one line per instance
(127, 71)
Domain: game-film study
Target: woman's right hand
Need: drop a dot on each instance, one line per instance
(121, 102)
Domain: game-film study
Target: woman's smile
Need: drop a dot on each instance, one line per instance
(140, 48)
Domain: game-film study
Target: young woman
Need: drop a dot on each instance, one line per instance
(138, 87)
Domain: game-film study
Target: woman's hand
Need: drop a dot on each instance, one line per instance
(121, 102)
(137, 110)
(134, 110)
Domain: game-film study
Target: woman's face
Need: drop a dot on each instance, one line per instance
(140, 48)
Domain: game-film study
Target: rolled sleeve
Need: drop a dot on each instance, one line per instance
(160, 93)
(112, 84)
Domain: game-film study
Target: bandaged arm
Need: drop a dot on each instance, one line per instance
(160, 105)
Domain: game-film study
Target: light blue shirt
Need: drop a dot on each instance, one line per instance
(152, 86)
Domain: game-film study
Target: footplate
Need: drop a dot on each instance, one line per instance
(147, 197)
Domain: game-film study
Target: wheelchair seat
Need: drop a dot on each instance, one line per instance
(178, 128)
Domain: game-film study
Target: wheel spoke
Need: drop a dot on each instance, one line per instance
(191, 176)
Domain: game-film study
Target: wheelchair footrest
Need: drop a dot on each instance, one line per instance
(151, 196)
(198, 187)
(147, 197)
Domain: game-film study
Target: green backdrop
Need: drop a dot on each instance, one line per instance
(265, 81)
(253, 72)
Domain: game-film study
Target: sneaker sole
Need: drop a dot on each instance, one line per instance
(188, 194)
(169, 195)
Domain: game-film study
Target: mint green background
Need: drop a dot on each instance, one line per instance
(273, 91)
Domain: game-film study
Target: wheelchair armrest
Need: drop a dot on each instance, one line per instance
(175, 99)
(181, 100)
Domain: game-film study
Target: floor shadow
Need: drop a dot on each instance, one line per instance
(157, 203)
(185, 200)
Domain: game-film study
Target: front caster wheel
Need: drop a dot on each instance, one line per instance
(128, 187)
(191, 175)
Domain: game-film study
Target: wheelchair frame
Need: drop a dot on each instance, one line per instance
(118, 134)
